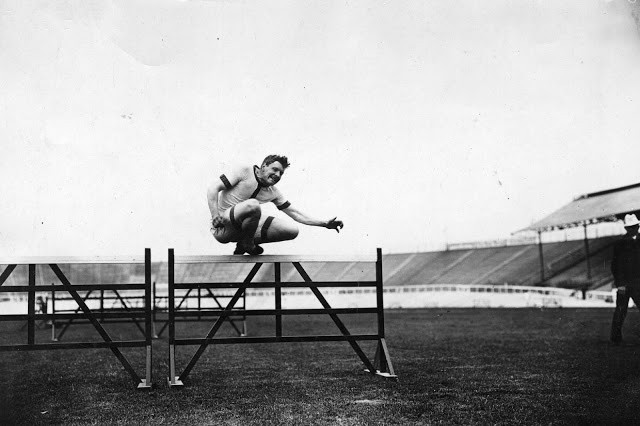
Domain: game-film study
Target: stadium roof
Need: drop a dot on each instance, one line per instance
(603, 206)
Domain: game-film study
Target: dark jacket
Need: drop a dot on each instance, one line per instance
(625, 264)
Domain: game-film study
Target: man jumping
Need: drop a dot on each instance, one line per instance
(234, 202)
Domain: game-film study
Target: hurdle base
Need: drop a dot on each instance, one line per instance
(176, 382)
(143, 384)
(383, 374)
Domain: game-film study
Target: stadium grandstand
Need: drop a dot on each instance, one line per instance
(575, 264)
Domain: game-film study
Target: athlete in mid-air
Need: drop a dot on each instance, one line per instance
(236, 216)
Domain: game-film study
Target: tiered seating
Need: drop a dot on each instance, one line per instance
(600, 262)
(512, 272)
(517, 265)
(476, 265)
(416, 271)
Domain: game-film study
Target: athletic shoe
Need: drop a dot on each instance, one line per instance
(239, 249)
(255, 251)
(242, 249)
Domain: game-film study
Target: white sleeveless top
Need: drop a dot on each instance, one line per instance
(242, 184)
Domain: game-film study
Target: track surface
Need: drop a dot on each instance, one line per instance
(456, 366)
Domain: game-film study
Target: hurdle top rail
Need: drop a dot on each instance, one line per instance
(44, 260)
(275, 258)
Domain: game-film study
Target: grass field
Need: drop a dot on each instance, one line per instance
(455, 366)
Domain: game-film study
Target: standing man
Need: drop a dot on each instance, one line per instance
(625, 267)
(234, 202)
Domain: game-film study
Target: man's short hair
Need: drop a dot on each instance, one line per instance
(279, 158)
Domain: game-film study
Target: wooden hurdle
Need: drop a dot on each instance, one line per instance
(198, 313)
(381, 364)
(73, 289)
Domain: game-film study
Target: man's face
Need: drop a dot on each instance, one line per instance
(272, 173)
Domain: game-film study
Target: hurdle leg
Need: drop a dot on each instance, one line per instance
(173, 380)
(153, 328)
(148, 321)
(53, 320)
(146, 382)
(382, 361)
(31, 309)
(244, 316)
(278, 297)
(153, 311)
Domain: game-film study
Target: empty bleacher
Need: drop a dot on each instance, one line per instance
(564, 266)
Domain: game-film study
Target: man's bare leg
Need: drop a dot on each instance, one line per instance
(274, 229)
(248, 215)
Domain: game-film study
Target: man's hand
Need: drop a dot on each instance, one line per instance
(217, 222)
(334, 224)
(622, 289)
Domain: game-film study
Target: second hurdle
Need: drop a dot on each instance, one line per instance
(380, 365)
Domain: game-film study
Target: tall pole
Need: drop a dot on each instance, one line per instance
(586, 248)
(541, 256)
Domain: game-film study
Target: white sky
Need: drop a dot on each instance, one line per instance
(417, 123)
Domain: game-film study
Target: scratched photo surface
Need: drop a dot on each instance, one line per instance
(432, 130)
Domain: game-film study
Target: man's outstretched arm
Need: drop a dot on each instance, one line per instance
(305, 219)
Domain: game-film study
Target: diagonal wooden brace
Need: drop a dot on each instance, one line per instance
(229, 319)
(126, 308)
(219, 321)
(5, 274)
(335, 318)
(103, 333)
(70, 320)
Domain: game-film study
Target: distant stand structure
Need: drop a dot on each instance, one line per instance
(586, 210)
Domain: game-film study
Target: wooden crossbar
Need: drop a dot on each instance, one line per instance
(70, 260)
(77, 287)
(276, 259)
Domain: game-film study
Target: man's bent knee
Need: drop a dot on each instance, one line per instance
(289, 233)
(293, 232)
(249, 208)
